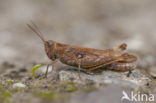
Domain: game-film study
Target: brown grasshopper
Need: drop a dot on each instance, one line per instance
(87, 58)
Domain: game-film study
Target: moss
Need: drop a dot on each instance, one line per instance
(33, 88)
(71, 89)
(1, 87)
(88, 89)
(56, 92)
(46, 95)
(51, 92)
(20, 89)
(5, 96)
(70, 86)
(10, 82)
(50, 96)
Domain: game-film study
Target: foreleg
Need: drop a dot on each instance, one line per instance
(51, 63)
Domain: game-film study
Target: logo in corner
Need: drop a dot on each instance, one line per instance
(125, 96)
(138, 96)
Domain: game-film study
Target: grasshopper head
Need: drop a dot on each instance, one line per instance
(50, 47)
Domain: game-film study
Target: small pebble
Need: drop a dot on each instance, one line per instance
(44, 68)
(19, 85)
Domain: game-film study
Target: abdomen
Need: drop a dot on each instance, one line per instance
(120, 66)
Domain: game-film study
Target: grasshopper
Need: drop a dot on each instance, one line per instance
(88, 59)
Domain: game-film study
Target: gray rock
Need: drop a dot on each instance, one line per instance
(136, 79)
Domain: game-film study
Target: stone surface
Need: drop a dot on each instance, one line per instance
(109, 94)
(107, 77)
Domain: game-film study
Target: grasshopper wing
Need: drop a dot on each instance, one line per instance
(90, 58)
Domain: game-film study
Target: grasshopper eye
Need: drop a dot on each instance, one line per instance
(54, 57)
(49, 44)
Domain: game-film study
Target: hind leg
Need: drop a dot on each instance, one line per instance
(129, 73)
(95, 72)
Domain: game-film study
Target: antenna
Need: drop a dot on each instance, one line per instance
(36, 30)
